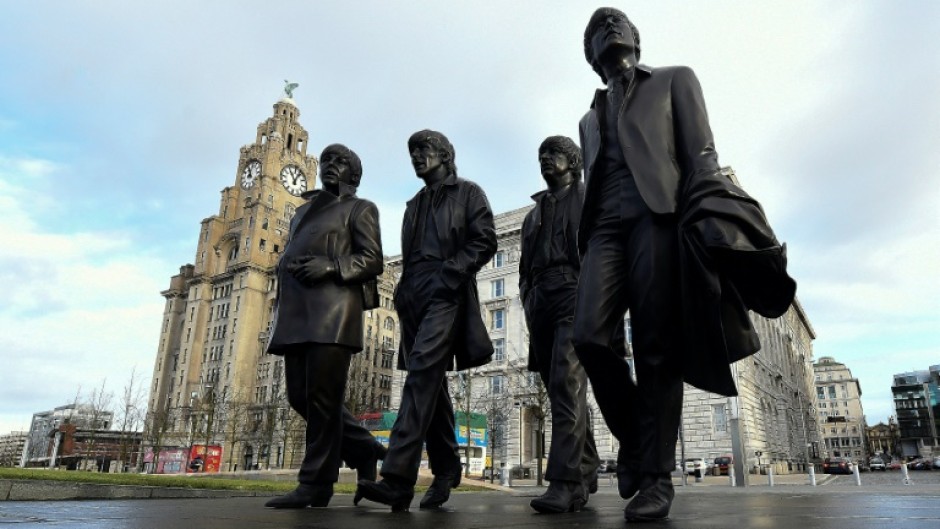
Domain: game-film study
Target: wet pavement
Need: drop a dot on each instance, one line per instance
(697, 506)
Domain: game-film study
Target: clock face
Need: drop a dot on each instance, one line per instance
(251, 173)
(294, 180)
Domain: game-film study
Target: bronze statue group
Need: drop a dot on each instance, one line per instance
(654, 228)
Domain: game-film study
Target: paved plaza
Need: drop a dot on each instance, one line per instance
(881, 502)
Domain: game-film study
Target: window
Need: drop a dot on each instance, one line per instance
(497, 288)
(499, 259)
(497, 384)
(832, 392)
(389, 324)
(499, 350)
(719, 418)
(820, 392)
(496, 319)
(262, 245)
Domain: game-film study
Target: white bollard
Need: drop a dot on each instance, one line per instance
(858, 477)
(731, 476)
(907, 477)
(770, 475)
(812, 475)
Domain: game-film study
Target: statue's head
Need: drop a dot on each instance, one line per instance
(339, 163)
(552, 167)
(430, 139)
(609, 29)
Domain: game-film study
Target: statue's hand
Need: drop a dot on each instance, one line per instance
(310, 270)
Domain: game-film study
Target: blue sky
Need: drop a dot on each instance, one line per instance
(120, 122)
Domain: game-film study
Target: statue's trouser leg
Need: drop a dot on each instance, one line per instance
(634, 265)
(316, 380)
(551, 311)
(426, 412)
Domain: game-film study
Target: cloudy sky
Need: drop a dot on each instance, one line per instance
(120, 122)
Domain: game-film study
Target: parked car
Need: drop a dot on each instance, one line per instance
(877, 463)
(607, 466)
(837, 465)
(696, 463)
(894, 465)
(723, 463)
(919, 464)
(936, 463)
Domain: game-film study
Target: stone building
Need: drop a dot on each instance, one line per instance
(776, 403)
(369, 387)
(512, 398)
(884, 440)
(917, 404)
(212, 382)
(774, 406)
(840, 414)
(11, 448)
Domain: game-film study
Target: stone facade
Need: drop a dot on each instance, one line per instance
(840, 414)
(11, 448)
(774, 406)
(512, 397)
(212, 382)
(884, 440)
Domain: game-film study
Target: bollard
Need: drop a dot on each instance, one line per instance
(731, 477)
(770, 475)
(907, 477)
(504, 478)
(698, 475)
(812, 475)
(858, 477)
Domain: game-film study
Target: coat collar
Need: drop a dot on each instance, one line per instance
(642, 70)
(560, 195)
(345, 190)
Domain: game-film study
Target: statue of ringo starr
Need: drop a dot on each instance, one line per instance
(665, 235)
(548, 282)
(333, 249)
(447, 236)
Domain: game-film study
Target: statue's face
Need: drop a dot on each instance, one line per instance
(612, 35)
(426, 159)
(334, 168)
(554, 165)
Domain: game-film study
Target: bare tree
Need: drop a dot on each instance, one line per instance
(532, 396)
(233, 417)
(207, 412)
(130, 416)
(497, 405)
(157, 424)
(462, 394)
(99, 417)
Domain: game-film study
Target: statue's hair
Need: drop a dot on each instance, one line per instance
(599, 15)
(355, 165)
(569, 148)
(439, 142)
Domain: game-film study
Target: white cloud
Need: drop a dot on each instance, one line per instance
(76, 308)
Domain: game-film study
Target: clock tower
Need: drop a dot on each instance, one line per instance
(211, 368)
